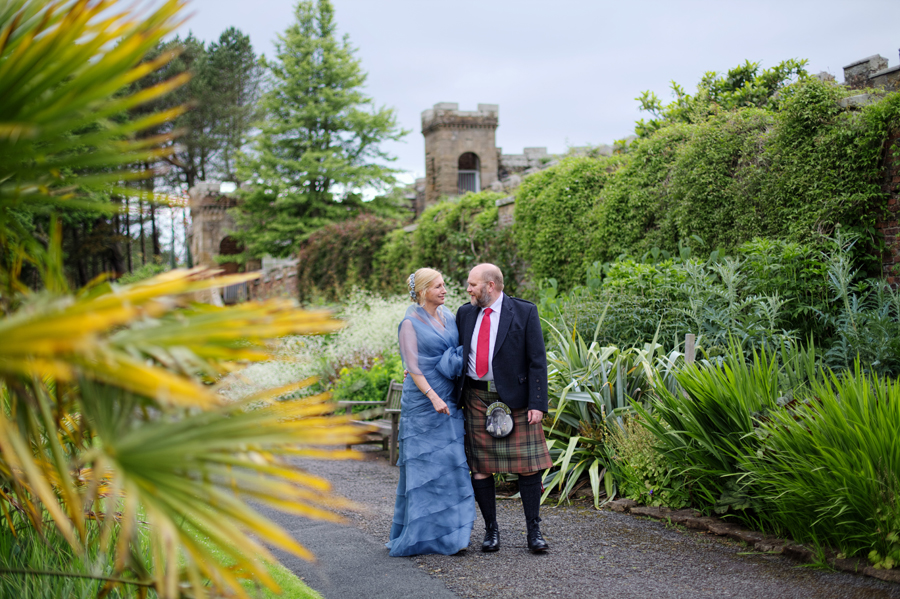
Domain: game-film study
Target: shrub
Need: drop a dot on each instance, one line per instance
(633, 203)
(362, 383)
(792, 170)
(392, 263)
(454, 235)
(340, 256)
(864, 318)
(641, 472)
(707, 430)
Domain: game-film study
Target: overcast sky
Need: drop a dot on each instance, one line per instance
(564, 73)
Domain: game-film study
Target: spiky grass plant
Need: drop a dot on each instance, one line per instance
(708, 427)
(829, 468)
(590, 391)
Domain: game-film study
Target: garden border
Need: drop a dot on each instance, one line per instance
(693, 519)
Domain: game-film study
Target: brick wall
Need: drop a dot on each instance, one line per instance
(889, 224)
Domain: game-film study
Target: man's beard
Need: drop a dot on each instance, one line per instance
(481, 299)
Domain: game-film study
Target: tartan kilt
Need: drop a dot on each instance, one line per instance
(523, 450)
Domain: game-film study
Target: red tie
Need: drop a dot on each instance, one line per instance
(484, 345)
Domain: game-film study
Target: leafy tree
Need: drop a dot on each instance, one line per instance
(743, 86)
(319, 142)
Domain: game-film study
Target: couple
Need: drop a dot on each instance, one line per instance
(490, 355)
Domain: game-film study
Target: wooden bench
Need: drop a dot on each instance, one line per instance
(384, 416)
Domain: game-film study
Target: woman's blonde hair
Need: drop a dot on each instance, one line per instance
(419, 281)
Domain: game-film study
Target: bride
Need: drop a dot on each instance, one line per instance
(435, 506)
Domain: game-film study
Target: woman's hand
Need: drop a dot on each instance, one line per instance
(440, 406)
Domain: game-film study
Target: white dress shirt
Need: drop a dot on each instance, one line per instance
(473, 348)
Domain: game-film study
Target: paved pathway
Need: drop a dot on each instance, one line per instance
(593, 554)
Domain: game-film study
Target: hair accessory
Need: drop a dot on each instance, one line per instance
(412, 286)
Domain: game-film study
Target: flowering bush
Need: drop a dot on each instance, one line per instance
(370, 334)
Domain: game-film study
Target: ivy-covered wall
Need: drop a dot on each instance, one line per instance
(793, 171)
(340, 256)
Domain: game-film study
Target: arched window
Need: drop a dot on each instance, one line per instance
(232, 294)
(469, 178)
(229, 247)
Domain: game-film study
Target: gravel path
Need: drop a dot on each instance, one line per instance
(592, 554)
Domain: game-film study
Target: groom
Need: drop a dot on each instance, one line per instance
(503, 360)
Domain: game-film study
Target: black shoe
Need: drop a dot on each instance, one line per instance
(536, 542)
(491, 538)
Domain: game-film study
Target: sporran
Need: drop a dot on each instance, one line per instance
(499, 421)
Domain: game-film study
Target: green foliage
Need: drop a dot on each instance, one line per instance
(865, 319)
(234, 73)
(590, 389)
(340, 256)
(368, 383)
(707, 429)
(318, 144)
(770, 292)
(635, 201)
(456, 234)
(27, 549)
(643, 473)
(552, 208)
(743, 86)
(829, 469)
(393, 262)
(140, 274)
(790, 171)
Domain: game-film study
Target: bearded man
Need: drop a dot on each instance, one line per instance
(505, 368)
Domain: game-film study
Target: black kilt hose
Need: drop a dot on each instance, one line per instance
(523, 451)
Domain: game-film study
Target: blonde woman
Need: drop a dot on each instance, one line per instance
(435, 506)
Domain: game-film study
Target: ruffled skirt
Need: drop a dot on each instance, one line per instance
(435, 505)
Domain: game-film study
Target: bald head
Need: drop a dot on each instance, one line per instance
(485, 284)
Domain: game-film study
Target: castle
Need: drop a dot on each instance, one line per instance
(461, 156)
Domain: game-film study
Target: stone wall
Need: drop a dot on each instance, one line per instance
(279, 280)
(506, 211)
(872, 71)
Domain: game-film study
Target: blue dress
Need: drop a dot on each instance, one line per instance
(435, 506)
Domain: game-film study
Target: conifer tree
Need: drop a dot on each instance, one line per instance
(318, 144)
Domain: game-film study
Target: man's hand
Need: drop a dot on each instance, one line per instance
(535, 416)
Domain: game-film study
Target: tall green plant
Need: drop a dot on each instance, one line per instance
(829, 469)
(709, 427)
(590, 390)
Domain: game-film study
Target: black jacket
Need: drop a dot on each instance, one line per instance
(519, 361)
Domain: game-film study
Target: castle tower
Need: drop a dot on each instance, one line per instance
(460, 150)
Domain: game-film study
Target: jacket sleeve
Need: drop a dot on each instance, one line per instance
(537, 362)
